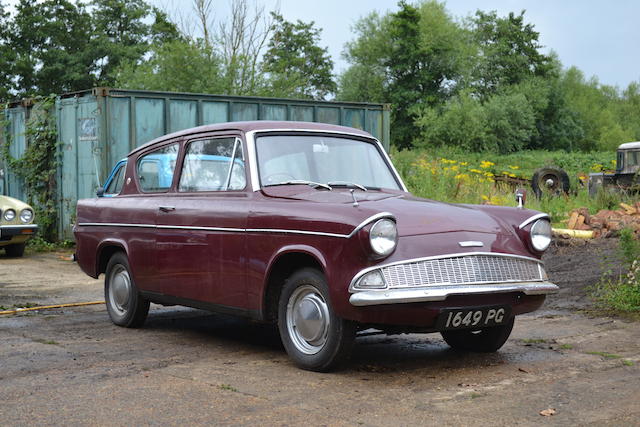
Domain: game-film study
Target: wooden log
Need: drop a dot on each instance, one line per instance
(572, 220)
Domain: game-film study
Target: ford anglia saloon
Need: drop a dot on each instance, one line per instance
(308, 226)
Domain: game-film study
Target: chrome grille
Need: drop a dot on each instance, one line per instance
(471, 269)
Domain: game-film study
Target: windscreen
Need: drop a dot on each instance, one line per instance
(322, 159)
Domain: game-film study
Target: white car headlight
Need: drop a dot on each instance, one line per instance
(541, 235)
(383, 237)
(26, 216)
(9, 214)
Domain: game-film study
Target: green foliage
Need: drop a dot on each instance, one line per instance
(621, 293)
(178, 66)
(57, 46)
(297, 67)
(423, 59)
(365, 80)
(629, 246)
(460, 84)
(508, 52)
(457, 175)
(38, 166)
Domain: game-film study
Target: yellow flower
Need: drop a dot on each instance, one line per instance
(514, 167)
(485, 197)
(475, 171)
(464, 163)
(489, 174)
(455, 168)
(597, 167)
(486, 164)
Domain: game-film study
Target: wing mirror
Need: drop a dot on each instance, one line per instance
(100, 192)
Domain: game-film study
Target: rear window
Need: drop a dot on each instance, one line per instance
(155, 169)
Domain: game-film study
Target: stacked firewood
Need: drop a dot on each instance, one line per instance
(606, 223)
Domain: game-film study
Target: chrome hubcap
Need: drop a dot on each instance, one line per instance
(120, 290)
(308, 319)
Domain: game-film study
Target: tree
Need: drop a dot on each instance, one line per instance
(241, 41)
(295, 64)
(178, 66)
(422, 63)
(122, 35)
(51, 44)
(7, 55)
(366, 78)
(508, 52)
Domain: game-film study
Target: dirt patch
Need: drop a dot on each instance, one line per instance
(576, 265)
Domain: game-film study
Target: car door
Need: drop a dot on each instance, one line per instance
(201, 242)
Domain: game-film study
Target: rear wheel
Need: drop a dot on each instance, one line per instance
(315, 338)
(16, 250)
(125, 305)
(486, 340)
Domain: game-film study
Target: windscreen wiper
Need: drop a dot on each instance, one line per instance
(347, 184)
(302, 181)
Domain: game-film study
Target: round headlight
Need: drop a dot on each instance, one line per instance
(26, 215)
(383, 237)
(541, 235)
(9, 214)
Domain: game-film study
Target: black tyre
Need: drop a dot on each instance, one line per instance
(315, 338)
(16, 250)
(125, 305)
(485, 340)
(550, 180)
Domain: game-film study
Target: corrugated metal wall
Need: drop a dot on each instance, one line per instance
(99, 127)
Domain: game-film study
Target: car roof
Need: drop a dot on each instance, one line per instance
(259, 125)
(629, 145)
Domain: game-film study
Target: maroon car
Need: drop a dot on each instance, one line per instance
(308, 226)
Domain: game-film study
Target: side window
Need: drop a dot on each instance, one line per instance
(155, 170)
(115, 186)
(213, 165)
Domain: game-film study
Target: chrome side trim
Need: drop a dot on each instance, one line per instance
(370, 220)
(185, 227)
(403, 296)
(115, 224)
(253, 165)
(410, 261)
(314, 233)
(19, 227)
(532, 219)
(243, 230)
(219, 229)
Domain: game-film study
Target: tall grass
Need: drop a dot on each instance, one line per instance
(450, 175)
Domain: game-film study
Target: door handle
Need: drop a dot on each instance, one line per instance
(167, 208)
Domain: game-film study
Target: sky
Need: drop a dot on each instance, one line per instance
(601, 38)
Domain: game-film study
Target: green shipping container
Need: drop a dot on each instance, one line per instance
(98, 127)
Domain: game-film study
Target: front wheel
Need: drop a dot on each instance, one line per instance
(315, 338)
(16, 250)
(486, 340)
(125, 305)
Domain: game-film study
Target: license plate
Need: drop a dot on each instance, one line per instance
(469, 318)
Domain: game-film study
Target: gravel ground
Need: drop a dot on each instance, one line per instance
(73, 367)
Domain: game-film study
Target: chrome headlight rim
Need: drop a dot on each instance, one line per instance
(540, 235)
(26, 215)
(383, 237)
(9, 215)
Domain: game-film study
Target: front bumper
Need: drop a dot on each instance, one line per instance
(8, 232)
(440, 293)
